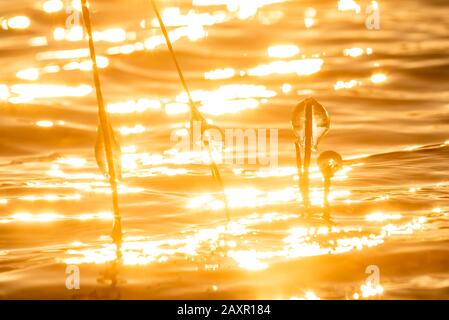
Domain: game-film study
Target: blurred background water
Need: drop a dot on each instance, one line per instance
(248, 63)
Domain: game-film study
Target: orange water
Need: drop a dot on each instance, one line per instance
(248, 65)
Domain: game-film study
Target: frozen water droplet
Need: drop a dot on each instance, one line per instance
(320, 121)
(330, 162)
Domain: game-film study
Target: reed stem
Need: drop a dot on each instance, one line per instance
(307, 154)
(104, 127)
(195, 114)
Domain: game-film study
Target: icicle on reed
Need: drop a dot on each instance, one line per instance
(310, 123)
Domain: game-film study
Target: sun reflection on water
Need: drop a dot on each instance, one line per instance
(349, 5)
(15, 23)
(309, 295)
(378, 78)
(27, 217)
(283, 51)
(26, 93)
(299, 242)
(242, 8)
(302, 67)
(52, 6)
